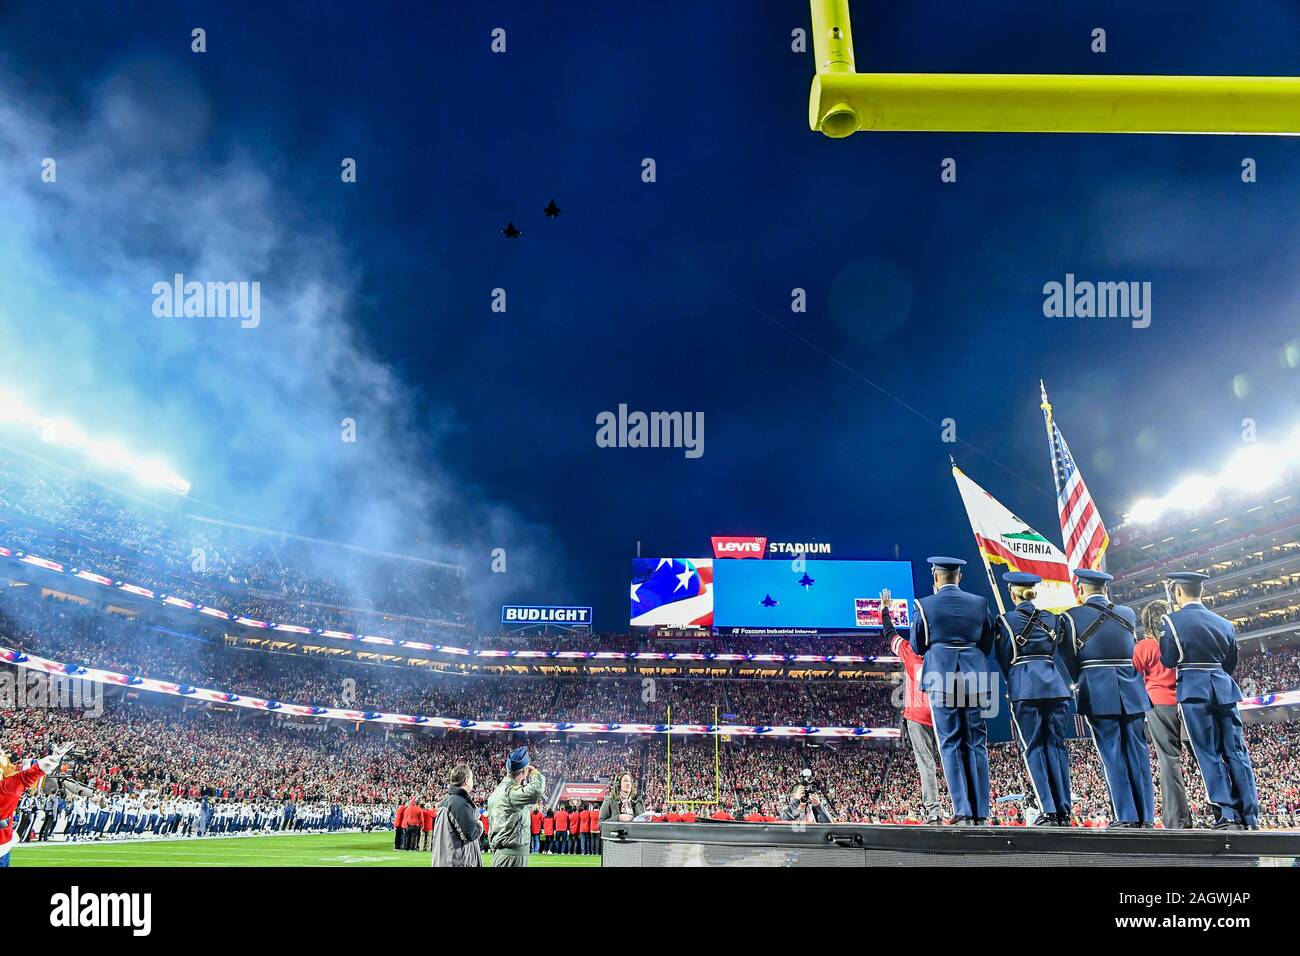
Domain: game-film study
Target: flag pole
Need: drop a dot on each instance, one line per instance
(1046, 406)
(997, 594)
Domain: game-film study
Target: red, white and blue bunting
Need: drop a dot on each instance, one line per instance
(410, 721)
(485, 655)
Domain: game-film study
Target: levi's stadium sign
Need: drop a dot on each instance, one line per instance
(544, 614)
(732, 546)
(587, 792)
(750, 546)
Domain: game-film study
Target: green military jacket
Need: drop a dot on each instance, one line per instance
(508, 811)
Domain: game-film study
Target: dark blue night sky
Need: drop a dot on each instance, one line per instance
(924, 299)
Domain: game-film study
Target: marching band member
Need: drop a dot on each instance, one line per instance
(13, 784)
(1039, 696)
(1202, 646)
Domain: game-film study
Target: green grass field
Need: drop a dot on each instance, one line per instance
(344, 849)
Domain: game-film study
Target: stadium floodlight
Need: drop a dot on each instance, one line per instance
(1194, 491)
(12, 409)
(1146, 510)
(843, 101)
(1254, 468)
(153, 472)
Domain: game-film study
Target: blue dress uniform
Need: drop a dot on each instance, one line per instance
(1039, 696)
(1097, 640)
(953, 633)
(1202, 647)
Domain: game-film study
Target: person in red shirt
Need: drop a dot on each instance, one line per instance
(575, 830)
(1164, 726)
(920, 727)
(674, 816)
(426, 827)
(561, 829)
(548, 830)
(584, 829)
(535, 828)
(412, 821)
(720, 814)
(13, 784)
(399, 828)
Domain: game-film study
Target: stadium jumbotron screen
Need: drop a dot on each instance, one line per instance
(815, 595)
(767, 595)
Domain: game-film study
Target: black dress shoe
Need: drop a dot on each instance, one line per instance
(1063, 820)
(1046, 821)
(958, 821)
(1120, 825)
(976, 822)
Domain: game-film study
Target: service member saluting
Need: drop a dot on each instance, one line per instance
(1097, 639)
(953, 633)
(1039, 696)
(1202, 647)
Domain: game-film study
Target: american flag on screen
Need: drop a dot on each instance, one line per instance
(1082, 532)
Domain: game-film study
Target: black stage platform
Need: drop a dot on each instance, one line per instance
(760, 844)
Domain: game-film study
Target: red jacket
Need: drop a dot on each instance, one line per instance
(426, 819)
(916, 703)
(584, 821)
(1161, 681)
(575, 820)
(11, 791)
(535, 823)
(562, 821)
(548, 826)
(413, 815)
(399, 821)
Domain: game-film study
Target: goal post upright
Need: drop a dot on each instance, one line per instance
(717, 766)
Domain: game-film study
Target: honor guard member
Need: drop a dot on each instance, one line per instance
(1096, 641)
(1202, 647)
(953, 633)
(1039, 696)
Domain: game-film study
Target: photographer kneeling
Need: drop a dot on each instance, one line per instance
(806, 803)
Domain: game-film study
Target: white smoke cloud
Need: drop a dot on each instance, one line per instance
(252, 417)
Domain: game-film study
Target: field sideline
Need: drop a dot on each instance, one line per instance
(341, 849)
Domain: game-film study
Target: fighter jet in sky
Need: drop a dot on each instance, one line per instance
(769, 601)
(510, 232)
(552, 210)
(807, 582)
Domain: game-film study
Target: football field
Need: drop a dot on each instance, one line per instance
(337, 849)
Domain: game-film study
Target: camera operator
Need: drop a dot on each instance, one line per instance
(806, 802)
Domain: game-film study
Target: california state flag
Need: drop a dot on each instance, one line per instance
(1004, 539)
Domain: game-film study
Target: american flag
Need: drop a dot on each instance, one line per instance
(1082, 532)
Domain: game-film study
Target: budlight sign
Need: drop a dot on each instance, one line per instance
(533, 614)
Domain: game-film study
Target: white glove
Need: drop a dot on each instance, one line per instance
(51, 763)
